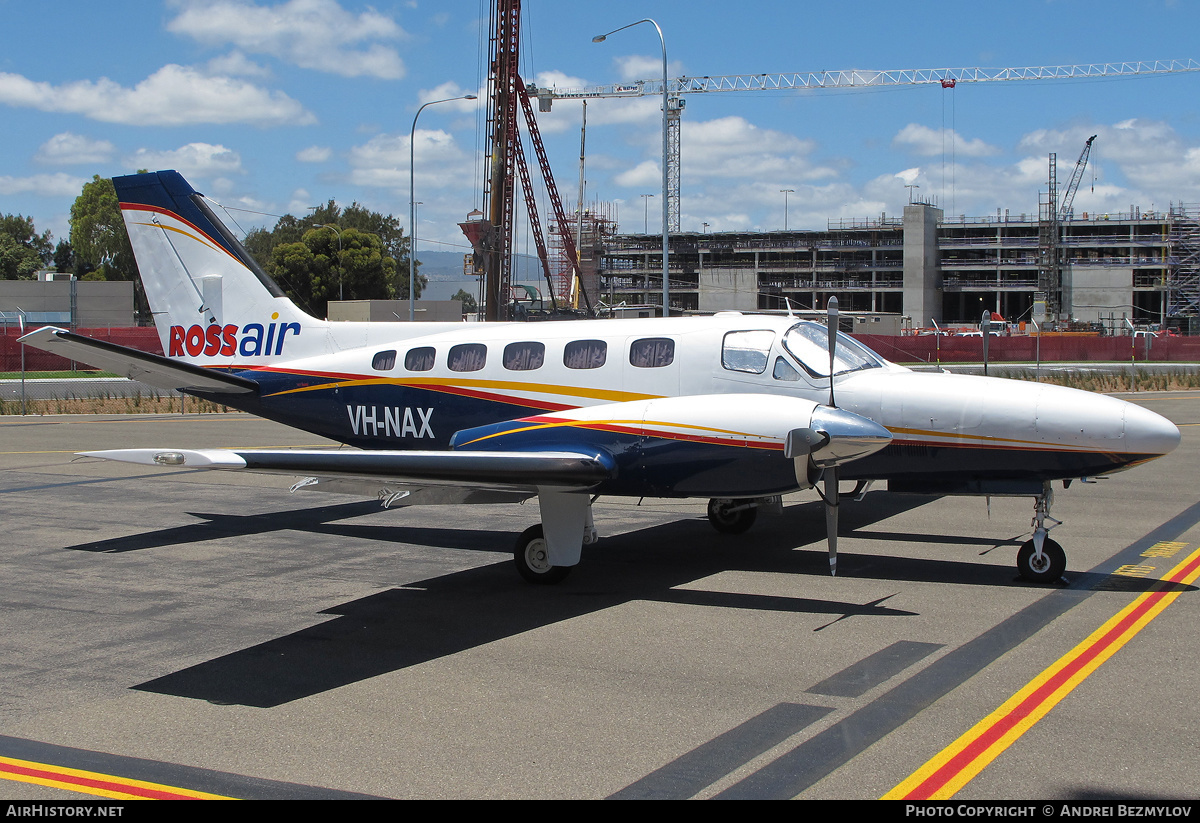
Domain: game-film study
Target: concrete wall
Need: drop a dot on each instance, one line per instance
(98, 304)
(1092, 291)
(391, 311)
(728, 290)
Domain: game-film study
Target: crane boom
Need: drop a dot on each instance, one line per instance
(847, 78)
(1069, 198)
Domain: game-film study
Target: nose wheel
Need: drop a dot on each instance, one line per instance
(1042, 560)
(1046, 567)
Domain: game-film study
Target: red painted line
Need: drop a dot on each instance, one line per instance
(1025, 708)
(93, 783)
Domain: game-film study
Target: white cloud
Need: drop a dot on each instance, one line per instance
(238, 65)
(192, 160)
(68, 149)
(448, 91)
(314, 154)
(644, 174)
(312, 34)
(383, 161)
(642, 67)
(49, 185)
(928, 142)
(174, 95)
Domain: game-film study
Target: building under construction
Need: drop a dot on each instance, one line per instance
(1141, 265)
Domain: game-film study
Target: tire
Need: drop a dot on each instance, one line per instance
(1054, 562)
(530, 556)
(726, 521)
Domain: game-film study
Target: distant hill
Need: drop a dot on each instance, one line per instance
(444, 271)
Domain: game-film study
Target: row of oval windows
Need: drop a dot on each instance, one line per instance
(648, 353)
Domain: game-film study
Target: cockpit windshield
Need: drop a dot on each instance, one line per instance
(809, 344)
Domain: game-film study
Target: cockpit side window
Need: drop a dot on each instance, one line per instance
(747, 351)
(809, 344)
(784, 371)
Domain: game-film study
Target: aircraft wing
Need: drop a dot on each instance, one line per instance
(384, 473)
(137, 365)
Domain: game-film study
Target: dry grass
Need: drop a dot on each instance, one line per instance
(137, 404)
(1122, 381)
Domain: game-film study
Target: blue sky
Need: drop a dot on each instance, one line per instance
(275, 105)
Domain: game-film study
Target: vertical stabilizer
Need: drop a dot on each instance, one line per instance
(212, 303)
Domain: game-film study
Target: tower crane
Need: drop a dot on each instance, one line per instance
(948, 78)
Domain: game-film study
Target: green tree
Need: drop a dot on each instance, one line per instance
(22, 250)
(98, 235)
(468, 301)
(265, 246)
(315, 270)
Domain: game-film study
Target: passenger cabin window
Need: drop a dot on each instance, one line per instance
(524, 356)
(467, 357)
(384, 360)
(652, 352)
(585, 354)
(747, 351)
(419, 359)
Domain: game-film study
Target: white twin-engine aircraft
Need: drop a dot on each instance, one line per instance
(738, 408)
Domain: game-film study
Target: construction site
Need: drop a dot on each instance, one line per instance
(1055, 267)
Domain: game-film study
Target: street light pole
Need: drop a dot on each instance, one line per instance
(412, 205)
(786, 192)
(646, 213)
(666, 282)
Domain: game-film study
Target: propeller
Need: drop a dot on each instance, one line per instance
(832, 438)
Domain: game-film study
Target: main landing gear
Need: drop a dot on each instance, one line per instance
(532, 557)
(1042, 560)
(732, 516)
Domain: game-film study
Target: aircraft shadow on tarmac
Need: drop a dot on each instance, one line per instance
(394, 629)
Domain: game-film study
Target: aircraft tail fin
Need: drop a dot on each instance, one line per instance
(212, 303)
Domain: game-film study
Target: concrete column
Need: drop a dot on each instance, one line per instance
(922, 265)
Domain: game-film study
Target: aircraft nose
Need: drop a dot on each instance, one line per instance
(1147, 432)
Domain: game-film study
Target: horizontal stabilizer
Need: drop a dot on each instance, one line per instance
(478, 470)
(137, 365)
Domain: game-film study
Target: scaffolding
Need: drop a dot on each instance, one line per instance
(1183, 262)
(588, 232)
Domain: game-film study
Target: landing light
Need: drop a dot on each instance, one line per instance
(170, 459)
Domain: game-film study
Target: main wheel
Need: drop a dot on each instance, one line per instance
(1048, 569)
(728, 520)
(532, 557)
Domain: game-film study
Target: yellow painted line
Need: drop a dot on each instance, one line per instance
(102, 785)
(962, 760)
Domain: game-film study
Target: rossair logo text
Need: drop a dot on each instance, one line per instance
(251, 340)
(394, 422)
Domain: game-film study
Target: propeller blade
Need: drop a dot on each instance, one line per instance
(831, 516)
(833, 327)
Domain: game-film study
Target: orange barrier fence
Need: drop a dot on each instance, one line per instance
(931, 349)
(144, 338)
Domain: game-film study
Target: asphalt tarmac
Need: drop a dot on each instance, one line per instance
(214, 633)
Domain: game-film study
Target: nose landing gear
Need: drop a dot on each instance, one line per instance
(1040, 559)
